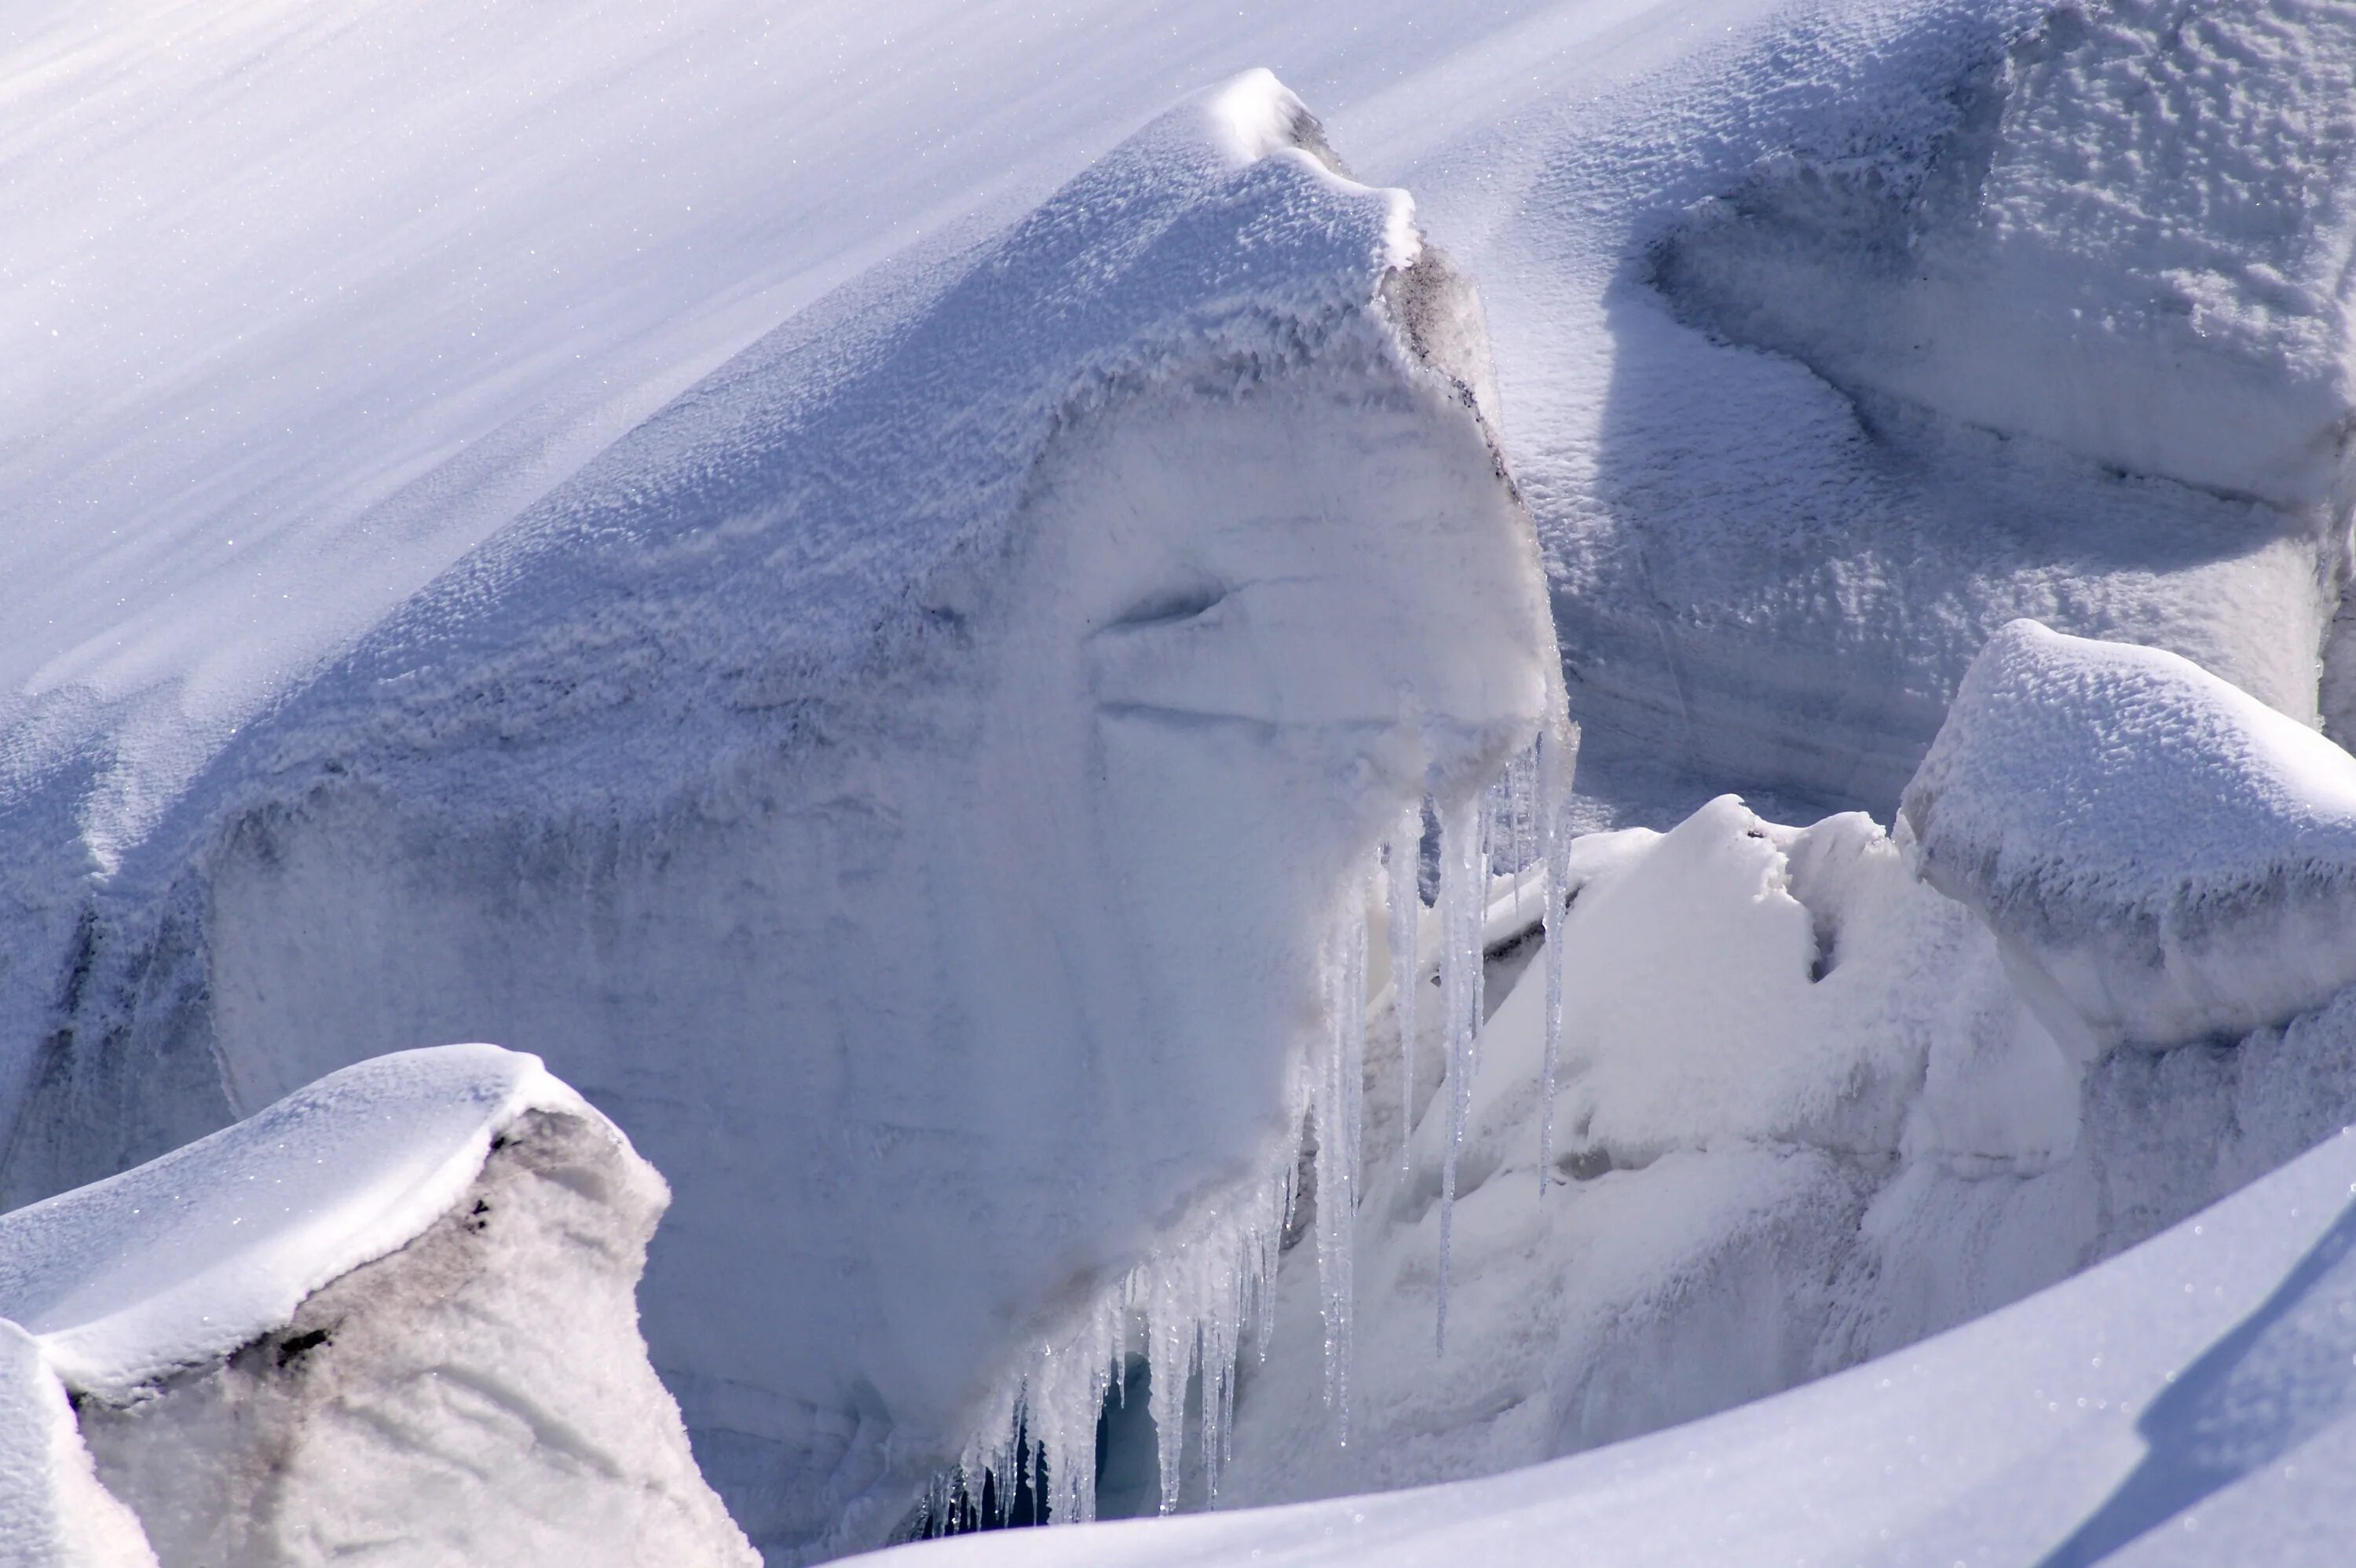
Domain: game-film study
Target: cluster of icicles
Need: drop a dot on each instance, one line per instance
(1192, 1302)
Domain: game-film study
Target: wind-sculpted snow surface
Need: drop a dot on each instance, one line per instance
(392, 1312)
(912, 782)
(2189, 1402)
(2165, 858)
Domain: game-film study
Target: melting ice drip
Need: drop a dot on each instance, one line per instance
(1191, 1304)
(1188, 1306)
(1518, 822)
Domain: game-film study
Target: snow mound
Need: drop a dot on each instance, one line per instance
(2188, 1401)
(921, 771)
(394, 1307)
(2165, 858)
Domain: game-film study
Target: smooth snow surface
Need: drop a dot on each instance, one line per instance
(2187, 1402)
(2166, 858)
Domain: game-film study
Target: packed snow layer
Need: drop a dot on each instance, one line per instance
(2165, 858)
(2187, 1402)
(917, 772)
(392, 1312)
(2131, 241)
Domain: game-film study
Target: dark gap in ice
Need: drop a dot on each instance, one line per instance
(1128, 1474)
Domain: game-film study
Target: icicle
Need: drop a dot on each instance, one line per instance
(1341, 1091)
(1484, 834)
(1170, 1357)
(1557, 758)
(1463, 887)
(1402, 905)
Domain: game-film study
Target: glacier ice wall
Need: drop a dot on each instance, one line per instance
(909, 782)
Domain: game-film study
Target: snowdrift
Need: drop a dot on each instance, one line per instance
(2187, 1402)
(392, 1311)
(913, 783)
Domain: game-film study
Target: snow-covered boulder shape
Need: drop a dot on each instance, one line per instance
(2163, 858)
(911, 783)
(392, 1314)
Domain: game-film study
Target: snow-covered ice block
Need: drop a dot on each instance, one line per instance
(910, 782)
(1764, 1022)
(2163, 858)
(393, 1312)
(2134, 242)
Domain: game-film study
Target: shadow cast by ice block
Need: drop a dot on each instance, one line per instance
(2283, 1376)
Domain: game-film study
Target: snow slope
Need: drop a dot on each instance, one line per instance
(2188, 1401)
(392, 1311)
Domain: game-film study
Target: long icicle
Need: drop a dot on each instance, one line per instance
(1340, 1112)
(1557, 758)
(1463, 886)
(1403, 855)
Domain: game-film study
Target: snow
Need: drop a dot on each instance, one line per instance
(57, 1514)
(898, 730)
(2064, 768)
(2186, 1403)
(396, 1304)
(184, 1259)
(781, 563)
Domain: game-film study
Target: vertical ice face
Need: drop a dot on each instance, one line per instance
(910, 782)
